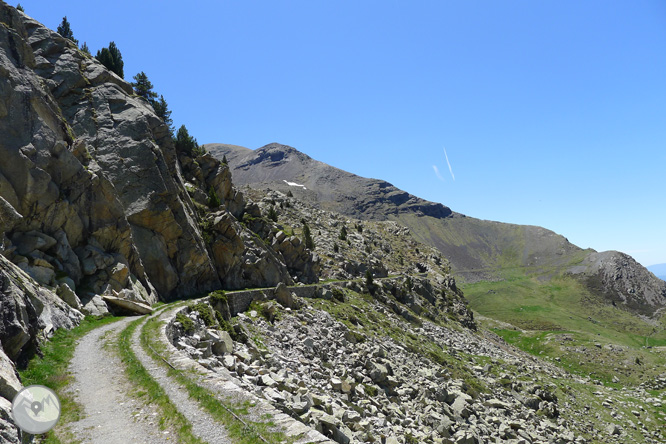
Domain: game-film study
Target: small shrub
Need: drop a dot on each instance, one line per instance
(371, 390)
(272, 214)
(213, 199)
(219, 296)
(411, 439)
(206, 227)
(205, 313)
(408, 283)
(186, 322)
(336, 248)
(369, 281)
(338, 294)
(309, 243)
(226, 325)
(343, 233)
(198, 151)
(290, 194)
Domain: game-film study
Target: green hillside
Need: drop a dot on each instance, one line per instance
(563, 320)
(485, 250)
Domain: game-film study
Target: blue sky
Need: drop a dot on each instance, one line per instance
(552, 113)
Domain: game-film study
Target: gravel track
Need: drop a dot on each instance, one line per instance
(111, 414)
(204, 426)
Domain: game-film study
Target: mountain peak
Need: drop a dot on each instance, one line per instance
(275, 166)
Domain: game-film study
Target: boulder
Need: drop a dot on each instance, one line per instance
(128, 305)
(378, 372)
(8, 215)
(28, 313)
(224, 345)
(9, 381)
(67, 294)
(32, 240)
(284, 296)
(94, 305)
(8, 431)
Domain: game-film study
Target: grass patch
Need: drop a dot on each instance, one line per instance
(219, 410)
(51, 371)
(151, 390)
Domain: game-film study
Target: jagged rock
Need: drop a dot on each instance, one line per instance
(9, 217)
(613, 429)
(128, 305)
(32, 240)
(8, 431)
(9, 381)
(94, 305)
(67, 294)
(377, 372)
(284, 296)
(224, 345)
(43, 275)
(28, 312)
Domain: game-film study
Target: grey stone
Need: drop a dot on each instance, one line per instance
(224, 345)
(9, 381)
(68, 295)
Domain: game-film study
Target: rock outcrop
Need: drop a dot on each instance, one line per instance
(97, 205)
(623, 282)
(94, 195)
(29, 313)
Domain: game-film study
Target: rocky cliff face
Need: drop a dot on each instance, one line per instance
(94, 194)
(95, 200)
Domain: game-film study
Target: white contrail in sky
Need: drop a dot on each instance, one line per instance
(449, 164)
(434, 167)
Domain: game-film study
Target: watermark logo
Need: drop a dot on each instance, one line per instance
(36, 409)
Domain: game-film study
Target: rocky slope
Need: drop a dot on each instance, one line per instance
(359, 371)
(477, 249)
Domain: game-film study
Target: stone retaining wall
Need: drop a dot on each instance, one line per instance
(239, 301)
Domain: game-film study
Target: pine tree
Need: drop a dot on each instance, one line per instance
(213, 199)
(369, 281)
(343, 233)
(272, 214)
(224, 160)
(112, 59)
(20, 8)
(144, 87)
(163, 112)
(186, 143)
(85, 48)
(309, 243)
(65, 30)
(117, 60)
